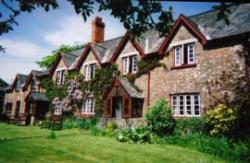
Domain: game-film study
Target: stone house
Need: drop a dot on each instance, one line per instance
(25, 100)
(196, 52)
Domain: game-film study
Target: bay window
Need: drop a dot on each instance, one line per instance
(184, 54)
(129, 64)
(90, 71)
(185, 105)
(88, 106)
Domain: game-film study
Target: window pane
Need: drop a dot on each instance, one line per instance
(185, 55)
(134, 64)
(191, 55)
(181, 104)
(125, 65)
(178, 57)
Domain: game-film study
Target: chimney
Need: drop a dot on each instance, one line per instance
(98, 30)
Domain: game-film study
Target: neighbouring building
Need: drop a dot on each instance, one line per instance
(3, 86)
(14, 98)
(25, 100)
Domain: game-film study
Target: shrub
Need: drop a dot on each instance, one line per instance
(69, 122)
(185, 126)
(160, 118)
(86, 123)
(110, 129)
(134, 135)
(221, 119)
(52, 135)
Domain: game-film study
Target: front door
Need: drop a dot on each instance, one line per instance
(117, 107)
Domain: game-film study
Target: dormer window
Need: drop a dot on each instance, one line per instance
(184, 54)
(129, 64)
(90, 71)
(60, 76)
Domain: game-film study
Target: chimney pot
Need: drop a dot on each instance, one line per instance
(98, 30)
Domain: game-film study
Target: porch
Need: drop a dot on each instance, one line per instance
(122, 102)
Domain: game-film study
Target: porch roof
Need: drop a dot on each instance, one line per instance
(130, 89)
(37, 96)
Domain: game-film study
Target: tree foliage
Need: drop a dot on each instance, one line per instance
(47, 61)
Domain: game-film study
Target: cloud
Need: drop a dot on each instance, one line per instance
(20, 57)
(10, 67)
(22, 49)
(73, 29)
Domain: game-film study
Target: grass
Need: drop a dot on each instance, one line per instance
(30, 144)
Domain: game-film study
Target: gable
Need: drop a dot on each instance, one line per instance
(90, 58)
(185, 29)
(182, 35)
(129, 48)
(60, 65)
(128, 44)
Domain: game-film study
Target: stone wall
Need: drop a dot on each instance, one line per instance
(210, 63)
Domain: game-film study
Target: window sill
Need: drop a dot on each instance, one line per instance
(87, 114)
(184, 66)
(186, 116)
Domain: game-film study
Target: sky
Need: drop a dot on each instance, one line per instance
(40, 32)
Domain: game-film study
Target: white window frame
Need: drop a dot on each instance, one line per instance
(181, 60)
(61, 76)
(178, 61)
(87, 70)
(126, 63)
(188, 53)
(88, 106)
(175, 105)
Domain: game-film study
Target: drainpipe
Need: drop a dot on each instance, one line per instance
(148, 102)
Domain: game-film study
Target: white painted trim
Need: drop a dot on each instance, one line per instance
(183, 42)
(90, 62)
(60, 69)
(146, 45)
(128, 54)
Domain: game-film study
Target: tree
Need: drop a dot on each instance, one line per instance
(137, 16)
(47, 61)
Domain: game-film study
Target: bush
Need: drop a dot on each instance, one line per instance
(134, 135)
(52, 135)
(160, 118)
(221, 119)
(186, 126)
(110, 129)
(69, 122)
(86, 123)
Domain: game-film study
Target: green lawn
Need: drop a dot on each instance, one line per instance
(30, 144)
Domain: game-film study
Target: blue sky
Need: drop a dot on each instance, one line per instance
(40, 32)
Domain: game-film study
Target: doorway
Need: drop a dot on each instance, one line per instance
(117, 105)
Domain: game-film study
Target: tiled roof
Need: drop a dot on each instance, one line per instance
(108, 48)
(130, 88)
(21, 79)
(38, 74)
(212, 28)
